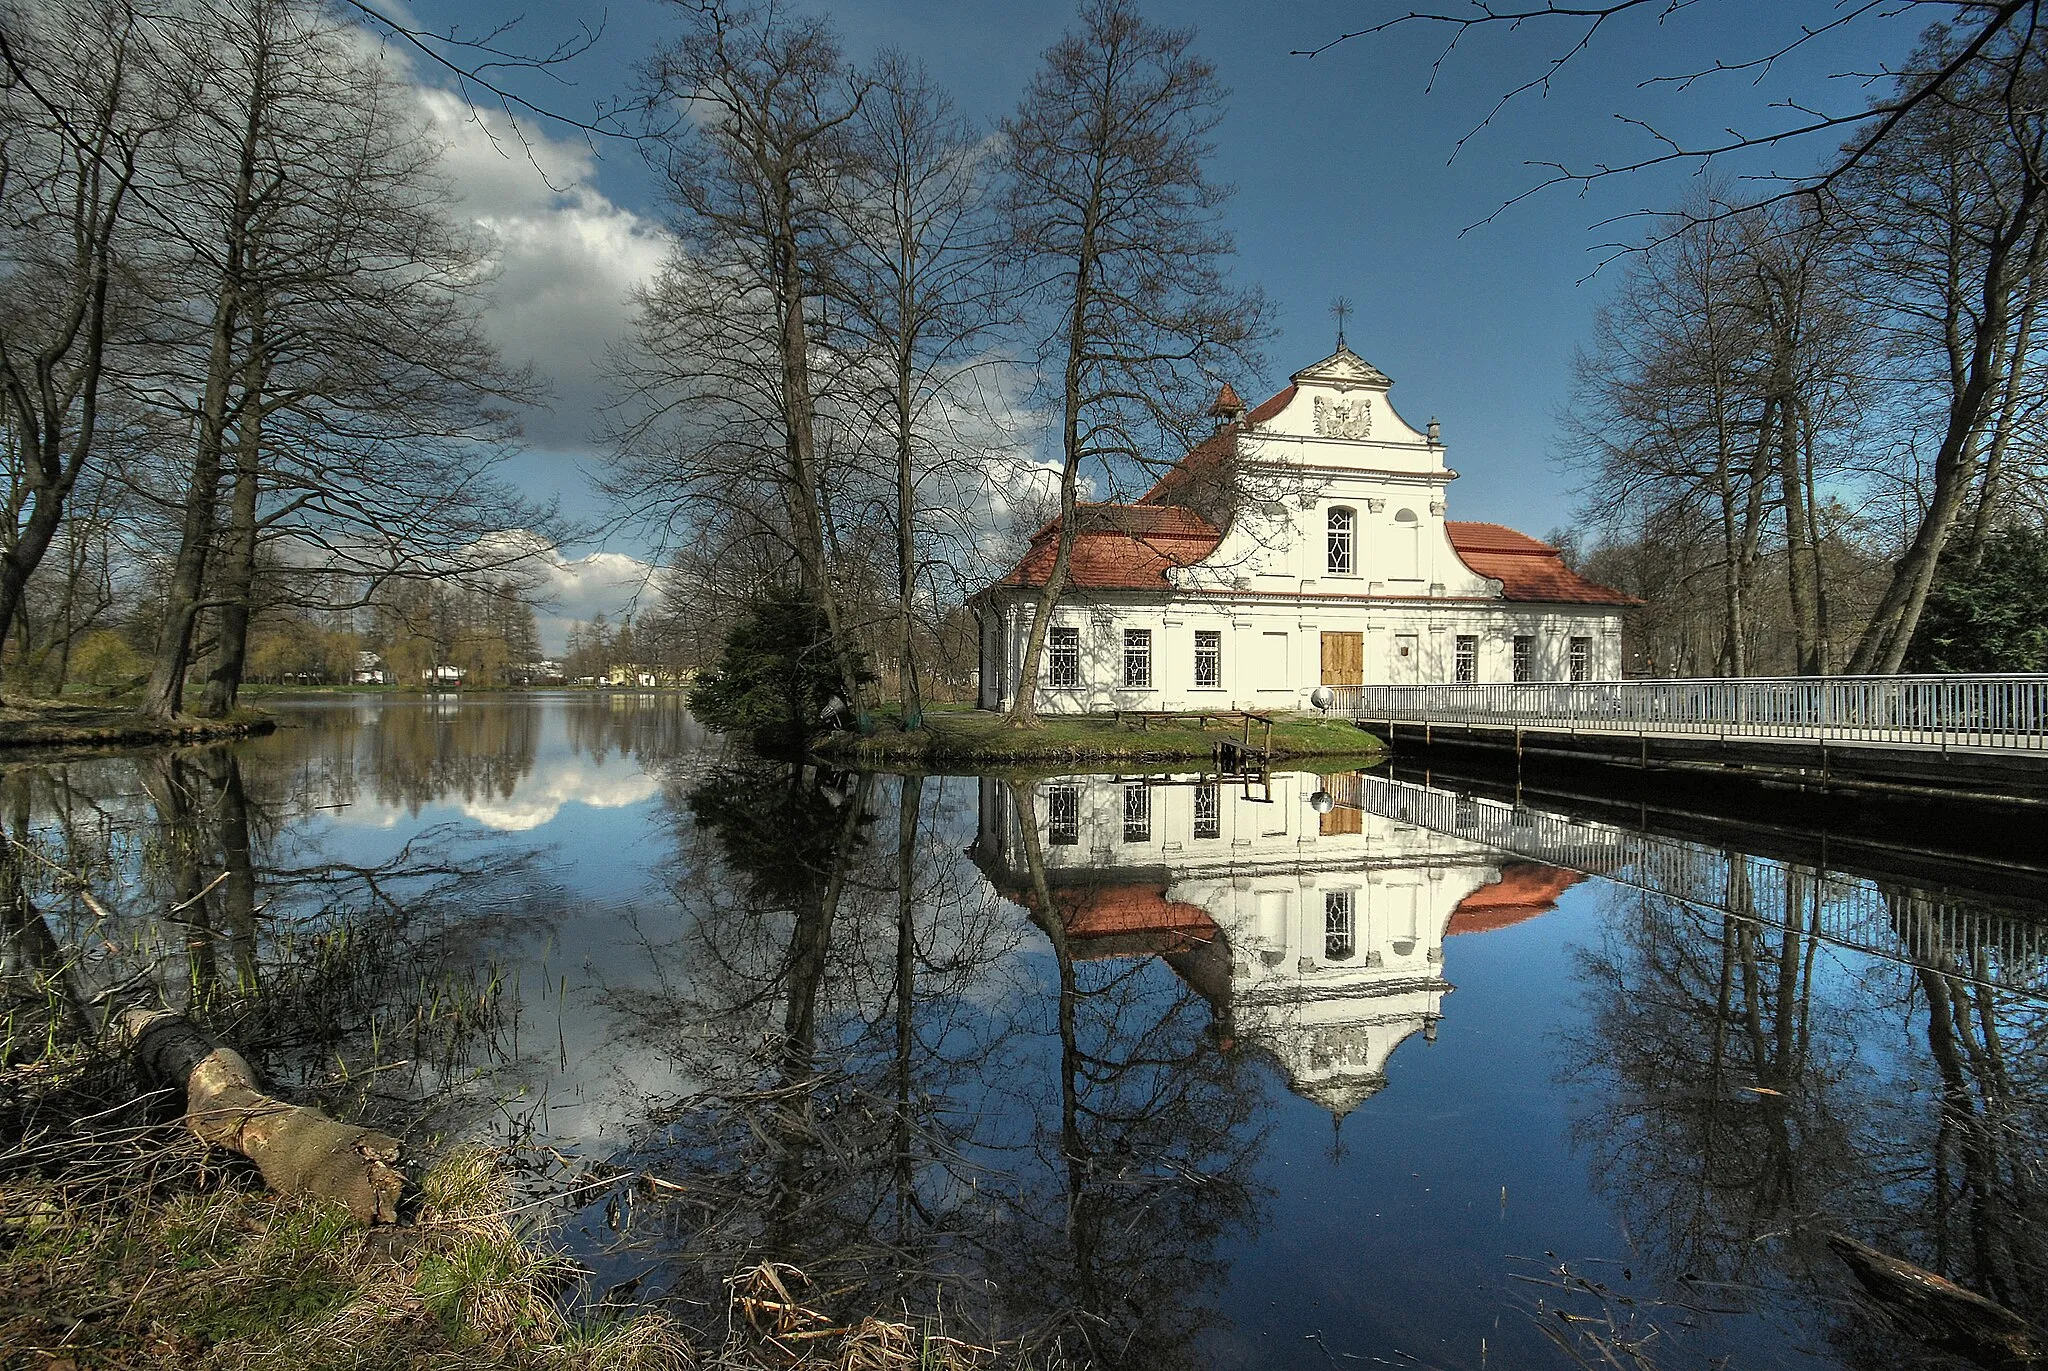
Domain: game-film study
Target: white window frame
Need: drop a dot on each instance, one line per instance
(1340, 925)
(1063, 815)
(1340, 546)
(1523, 648)
(1137, 812)
(1465, 659)
(1208, 811)
(1063, 650)
(1137, 659)
(1209, 653)
(1579, 659)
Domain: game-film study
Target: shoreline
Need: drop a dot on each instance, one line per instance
(958, 737)
(39, 726)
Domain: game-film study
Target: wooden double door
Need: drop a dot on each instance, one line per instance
(1343, 659)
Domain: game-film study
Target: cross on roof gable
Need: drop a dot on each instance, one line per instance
(1343, 368)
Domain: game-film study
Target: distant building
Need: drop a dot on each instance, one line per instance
(648, 677)
(444, 675)
(370, 670)
(1305, 543)
(540, 673)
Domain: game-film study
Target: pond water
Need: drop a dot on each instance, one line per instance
(1309, 1072)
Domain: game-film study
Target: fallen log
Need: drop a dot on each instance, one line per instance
(1941, 1313)
(299, 1150)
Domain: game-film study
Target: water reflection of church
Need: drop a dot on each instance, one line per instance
(1315, 930)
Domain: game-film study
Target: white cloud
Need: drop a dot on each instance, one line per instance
(566, 588)
(566, 255)
(539, 797)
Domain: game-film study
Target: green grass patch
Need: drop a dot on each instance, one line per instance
(959, 734)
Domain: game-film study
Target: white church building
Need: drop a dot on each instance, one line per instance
(1304, 543)
(1315, 930)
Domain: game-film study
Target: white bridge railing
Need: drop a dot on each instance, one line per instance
(1886, 918)
(2009, 712)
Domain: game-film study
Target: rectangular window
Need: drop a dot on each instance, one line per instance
(1138, 813)
(1138, 658)
(1064, 670)
(1208, 657)
(1340, 915)
(1468, 659)
(1582, 659)
(1343, 540)
(1208, 812)
(1525, 657)
(1063, 815)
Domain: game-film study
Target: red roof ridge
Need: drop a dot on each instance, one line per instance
(1496, 538)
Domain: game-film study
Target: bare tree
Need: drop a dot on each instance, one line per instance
(340, 388)
(921, 296)
(1950, 213)
(721, 387)
(77, 111)
(1117, 224)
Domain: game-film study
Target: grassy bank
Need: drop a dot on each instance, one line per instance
(66, 725)
(957, 735)
(178, 1266)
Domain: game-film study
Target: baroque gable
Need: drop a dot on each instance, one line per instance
(1343, 369)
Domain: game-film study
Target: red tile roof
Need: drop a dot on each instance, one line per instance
(1120, 547)
(1129, 920)
(1271, 407)
(1526, 569)
(1524, 890)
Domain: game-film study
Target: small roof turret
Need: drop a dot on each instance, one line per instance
(1227, 409)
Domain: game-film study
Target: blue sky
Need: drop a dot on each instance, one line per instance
(1346, 185)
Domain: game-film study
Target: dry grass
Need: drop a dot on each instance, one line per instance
(142, 1252)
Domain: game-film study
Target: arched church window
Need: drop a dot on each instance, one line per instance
(1343, 558)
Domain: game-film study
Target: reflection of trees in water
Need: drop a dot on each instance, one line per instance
(650, 726)
(904, 1101)
(1738, 1106)
(174, 874)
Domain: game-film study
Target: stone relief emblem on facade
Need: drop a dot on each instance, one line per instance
(1343, 418)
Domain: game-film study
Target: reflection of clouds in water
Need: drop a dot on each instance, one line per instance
(540, 797)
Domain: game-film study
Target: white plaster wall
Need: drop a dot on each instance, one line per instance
(1264, 879)
(1268, 590)
(1272, 650)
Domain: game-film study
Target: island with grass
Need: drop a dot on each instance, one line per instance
(33, 725)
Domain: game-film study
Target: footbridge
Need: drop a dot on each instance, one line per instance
(1898, 921)
(1985, 736)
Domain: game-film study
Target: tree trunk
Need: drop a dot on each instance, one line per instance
(238, 556)
(1884, 643)
(1024, 709)
(164, 695)
(2008, 413)
(906, 548)
(300, 1151)
(805, 487)
(1798, 537)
